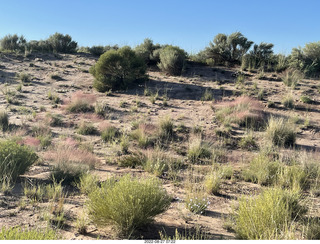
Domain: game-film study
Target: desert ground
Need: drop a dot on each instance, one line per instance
(180, 98)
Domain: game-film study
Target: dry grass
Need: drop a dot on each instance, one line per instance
(80, 102)
(244, 111)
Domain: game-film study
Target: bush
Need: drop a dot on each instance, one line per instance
(118, 69)
(60, 43)
(267, 216)
(14, 160)
(172, 60)
(280, 132)
(4, 121)
(18, 233)
(129, 203)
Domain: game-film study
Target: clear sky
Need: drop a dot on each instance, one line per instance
(190, 24)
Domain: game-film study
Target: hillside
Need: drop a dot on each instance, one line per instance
(37, 91)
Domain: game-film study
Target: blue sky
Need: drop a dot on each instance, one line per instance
(190, 24)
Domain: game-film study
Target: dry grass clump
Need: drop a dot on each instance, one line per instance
(86, 128)
(143, 135)
(69, 163)
(128, 203)
(244, 111)
(81, 102)
(291, 77)
(199, 150)
(166, 128)
(280, 132)
(110, 133)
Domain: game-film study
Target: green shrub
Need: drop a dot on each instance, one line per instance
(18, 233)
(129, 203)
(4, 120)
(313, 229)
(118, 69)
(172, 60)
(144, 139)
(266, 217)
(280, 132)
(14, 160)
(110, 133)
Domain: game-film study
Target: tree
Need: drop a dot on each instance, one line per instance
(60, 43)
(117, 69)
(226, 48)
(13, 43)
(146, 51)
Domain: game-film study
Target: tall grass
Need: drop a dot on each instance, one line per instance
(4, 120)
(280, 132)
(268, 216)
